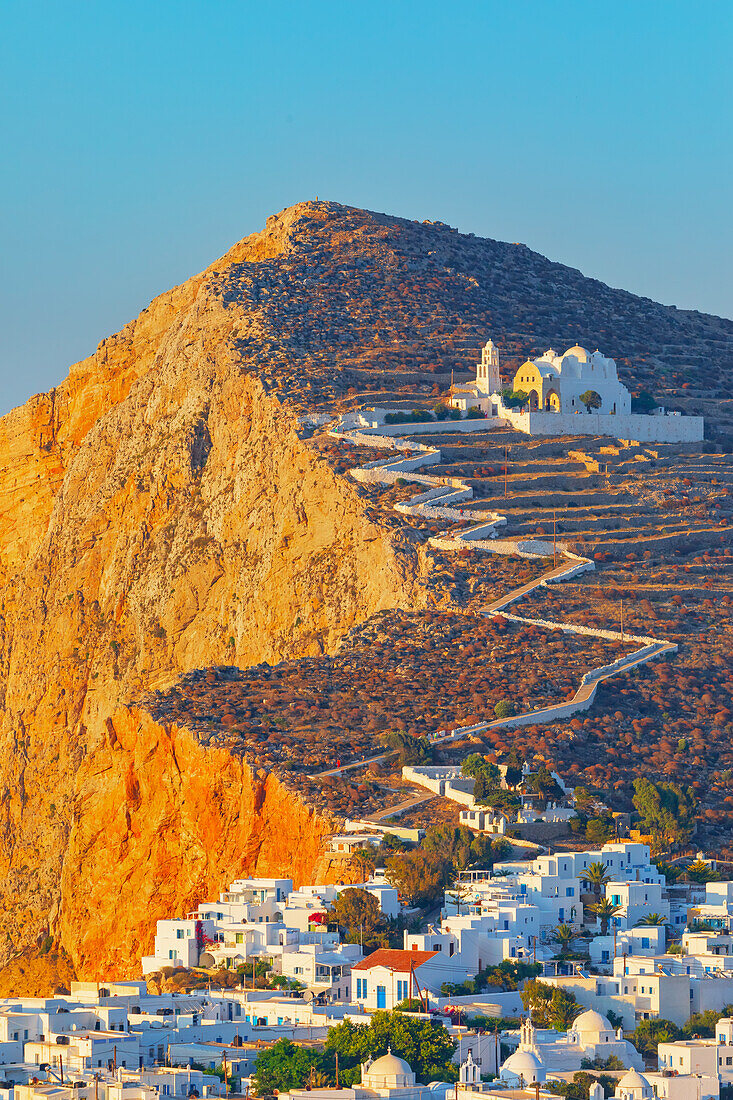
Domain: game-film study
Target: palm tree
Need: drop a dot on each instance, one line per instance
(563, 935)
(596, 876)
(605, 910)
(652, 919)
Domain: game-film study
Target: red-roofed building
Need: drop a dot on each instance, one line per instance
(386, 977)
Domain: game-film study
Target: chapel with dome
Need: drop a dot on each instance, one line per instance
(555, 383)
(385, 1078)
(544, 1051)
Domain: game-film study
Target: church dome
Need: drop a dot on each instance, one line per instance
(579, 353)
(389, 1070)
(524, 1064)
(635, 1083)
(592, 1023)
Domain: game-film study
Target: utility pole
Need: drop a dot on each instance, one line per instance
(615, 932)
(337, 1069)
(622, 619)
(506, 460)
(226, 1080)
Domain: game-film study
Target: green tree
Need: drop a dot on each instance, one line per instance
(545, 785)
(584, 800)
(701, 872)
(496, 797)
(284, 1066)
(605, 910)
(410, 750)
(551, 1006)
(514, 399)
(425, 1045)
(504, 709)
(419, 876)
(704, 1023)
(600, 829)
(461, 847)
(667, 811)
(514, 773)
(357, 914)
(389, 844)
(650, 1033)
(596, 876)
(591, 400)
(364, 860)
(475, 764)
(579, 1087)
(652, 920)
(671, 871)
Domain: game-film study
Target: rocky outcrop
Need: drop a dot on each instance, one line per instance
(175, 520)
(160, 822)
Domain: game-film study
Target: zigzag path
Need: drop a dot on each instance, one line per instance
(440, 500)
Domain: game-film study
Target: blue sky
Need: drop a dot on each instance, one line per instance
(140, 140)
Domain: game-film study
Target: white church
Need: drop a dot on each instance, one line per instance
(554, 385)
(542, 1053)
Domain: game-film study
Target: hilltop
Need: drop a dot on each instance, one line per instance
(164, 510)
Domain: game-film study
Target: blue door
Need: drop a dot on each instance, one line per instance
(381, 996)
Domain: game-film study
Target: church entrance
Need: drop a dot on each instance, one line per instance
(552, 401)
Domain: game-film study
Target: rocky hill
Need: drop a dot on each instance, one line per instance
(162, 511)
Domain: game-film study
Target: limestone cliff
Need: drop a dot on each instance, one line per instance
(158, 823)
(166, 516)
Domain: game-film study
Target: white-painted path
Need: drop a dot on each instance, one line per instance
(445, 498)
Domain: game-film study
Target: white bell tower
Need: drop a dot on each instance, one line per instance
(469, 1073)
(488, 379)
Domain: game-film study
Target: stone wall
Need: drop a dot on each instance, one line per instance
(432, 427)
(631, 426)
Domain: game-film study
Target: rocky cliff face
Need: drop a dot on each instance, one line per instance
(158, 822)
(167, 516)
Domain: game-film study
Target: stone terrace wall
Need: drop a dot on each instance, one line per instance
(636, 426)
